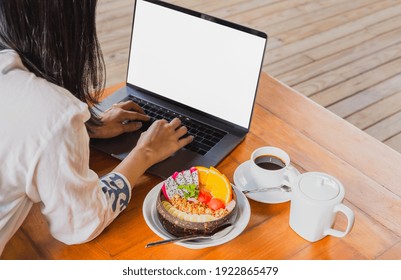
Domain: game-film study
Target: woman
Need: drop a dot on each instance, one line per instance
(50, 64)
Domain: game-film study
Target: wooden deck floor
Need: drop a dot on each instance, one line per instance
(345, 55)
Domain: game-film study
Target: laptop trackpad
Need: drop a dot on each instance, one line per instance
(120, 146)
(181, 160)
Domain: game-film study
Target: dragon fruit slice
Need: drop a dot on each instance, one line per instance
(179, 178)
(195, 175)
(170, 188)
(185, 184)
(187, 177)
(165, 191)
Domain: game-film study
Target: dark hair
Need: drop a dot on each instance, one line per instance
(56, 40)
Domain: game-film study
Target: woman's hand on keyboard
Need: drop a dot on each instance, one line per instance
(120, 118)
(162, 139)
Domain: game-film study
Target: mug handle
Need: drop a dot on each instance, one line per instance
(286, 180)
(350, 217)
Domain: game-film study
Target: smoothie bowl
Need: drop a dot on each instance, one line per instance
(196, 201)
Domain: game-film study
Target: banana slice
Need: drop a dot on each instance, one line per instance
(186, 216)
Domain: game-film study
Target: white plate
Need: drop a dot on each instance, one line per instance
(245, 182)
(240, 223)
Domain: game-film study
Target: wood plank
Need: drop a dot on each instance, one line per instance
(368, 33)
(353, 12)
(243, 8)
(187, 4)
(20, 247)
(348, 71)
(119, 73)
(285, 65)
(291, 17)
(116, 51)
(341, 251)
(309, 16)
(271, 44)
(109, 11)
(111, 46)
(116, 28)
(114, 20)
(106, 6)
(332, 34)
(394, 142)
(263, 234)
(376, 112)
(394, 253)
(267, 8)
(364, 44)
(387, 128)
(366, 97)
(382, 76)
(212, 6)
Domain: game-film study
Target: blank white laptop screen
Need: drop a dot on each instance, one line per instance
(196, 62)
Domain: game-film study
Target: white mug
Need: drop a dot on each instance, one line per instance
(316, 199)
(265, 178)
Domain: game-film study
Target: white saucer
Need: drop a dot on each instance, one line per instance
(244, 182)
(240, 223)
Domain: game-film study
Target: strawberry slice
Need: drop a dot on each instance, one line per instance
(204, 197)
(215, 204)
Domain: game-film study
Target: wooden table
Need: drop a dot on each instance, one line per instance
(316, 140)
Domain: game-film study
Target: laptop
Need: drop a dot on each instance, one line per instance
(199, 68)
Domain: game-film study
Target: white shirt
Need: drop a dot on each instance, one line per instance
(44, 158)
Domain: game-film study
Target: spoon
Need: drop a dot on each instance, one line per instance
(283, 188)
(215, 234)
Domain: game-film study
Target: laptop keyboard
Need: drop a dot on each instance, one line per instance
(205, 136)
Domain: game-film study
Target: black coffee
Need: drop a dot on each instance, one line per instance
(269, 162)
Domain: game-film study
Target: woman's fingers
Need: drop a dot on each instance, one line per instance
(131, 126)
(130, 106)
(181, 131)
(185, 141)
(129, 111)
(163, 139)
(175, 123)
(124, 115)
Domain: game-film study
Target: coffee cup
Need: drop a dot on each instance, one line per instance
(269, 167)
(316, 200)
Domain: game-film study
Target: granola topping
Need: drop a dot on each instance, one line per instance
(197, 207)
